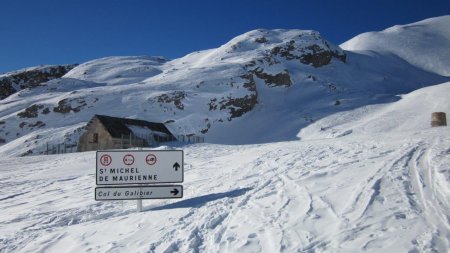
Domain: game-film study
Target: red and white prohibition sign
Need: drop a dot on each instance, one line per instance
(105, 160)
(150, 159)
(128, 159)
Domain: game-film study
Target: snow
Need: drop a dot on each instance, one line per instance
(424, 44)
(411, 113)
(140, 131)
(118, 69)
(385, 192)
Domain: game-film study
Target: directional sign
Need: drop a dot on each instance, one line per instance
(139, 192)
(139, 167)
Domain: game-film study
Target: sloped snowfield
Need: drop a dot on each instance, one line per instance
(385, 193)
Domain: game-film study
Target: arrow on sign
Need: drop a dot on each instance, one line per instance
(174, 192)
(176, 166)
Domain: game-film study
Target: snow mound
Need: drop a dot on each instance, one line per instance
(411, 113)
(118, 70)
(424, 44)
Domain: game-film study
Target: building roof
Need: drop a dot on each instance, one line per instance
(118, 126)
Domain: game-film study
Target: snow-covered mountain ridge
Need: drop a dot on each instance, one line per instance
(262, 86)
(424, 44)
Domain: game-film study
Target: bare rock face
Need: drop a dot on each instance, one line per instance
(12, 82)
(175, 97)
(65, 105)
(30, 112)
(279, 79)
(320, 57)
(238, 106)
(315, 55)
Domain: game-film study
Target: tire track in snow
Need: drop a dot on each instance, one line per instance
(370, 189)
(422, 174)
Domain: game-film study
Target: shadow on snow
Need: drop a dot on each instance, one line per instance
(202, 200)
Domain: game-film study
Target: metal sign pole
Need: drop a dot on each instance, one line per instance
(139, 201)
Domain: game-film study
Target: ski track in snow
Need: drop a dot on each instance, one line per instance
(344, 195)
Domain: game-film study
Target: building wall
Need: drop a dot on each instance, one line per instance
(105, 141)
(86, 142)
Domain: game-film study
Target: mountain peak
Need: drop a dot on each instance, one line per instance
(304, 45)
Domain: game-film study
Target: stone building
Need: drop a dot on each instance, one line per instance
(105, 132)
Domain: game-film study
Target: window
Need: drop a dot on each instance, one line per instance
(95, 138)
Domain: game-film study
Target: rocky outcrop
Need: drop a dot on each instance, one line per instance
(175, 97)
(280, 79)
(320, 57)
(12, 82)
(30, 112)
(314, 55)
(65, 105)
(240, 105)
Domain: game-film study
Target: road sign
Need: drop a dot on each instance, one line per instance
(139, 192)
(139, 167)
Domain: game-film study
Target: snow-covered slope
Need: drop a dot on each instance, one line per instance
(411, 113)
(424, 44)
(383, 193)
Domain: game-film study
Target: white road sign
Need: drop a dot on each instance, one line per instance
(139, 167)
(139, 192)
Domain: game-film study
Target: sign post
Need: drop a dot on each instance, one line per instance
(138, 192)
(139, 201)
(128, 175)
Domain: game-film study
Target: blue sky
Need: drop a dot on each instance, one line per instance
(74, 31)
